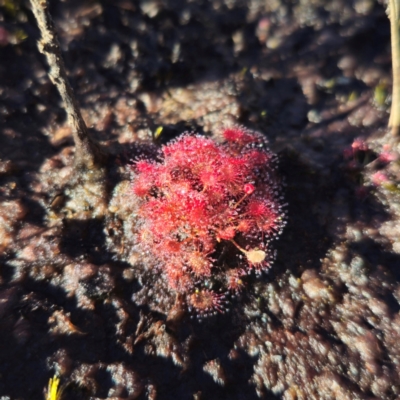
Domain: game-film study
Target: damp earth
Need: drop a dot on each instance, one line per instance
(315, 78)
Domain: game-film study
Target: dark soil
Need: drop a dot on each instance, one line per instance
(75, 300)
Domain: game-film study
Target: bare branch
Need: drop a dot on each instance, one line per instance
(87, 153)
(394, 17)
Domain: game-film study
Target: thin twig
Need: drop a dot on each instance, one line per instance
(87, 153)
(394, 17)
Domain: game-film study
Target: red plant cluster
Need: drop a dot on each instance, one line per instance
(209, 210)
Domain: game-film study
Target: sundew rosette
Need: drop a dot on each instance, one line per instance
(208, 212)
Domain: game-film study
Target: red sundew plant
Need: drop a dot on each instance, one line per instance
(208, 212)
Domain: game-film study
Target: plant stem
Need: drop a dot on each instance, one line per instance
(87, 153)
(394, 17)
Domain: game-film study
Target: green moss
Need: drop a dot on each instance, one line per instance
(380, 95)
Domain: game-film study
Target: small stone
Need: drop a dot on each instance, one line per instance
(314, 116)
(273, 42)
